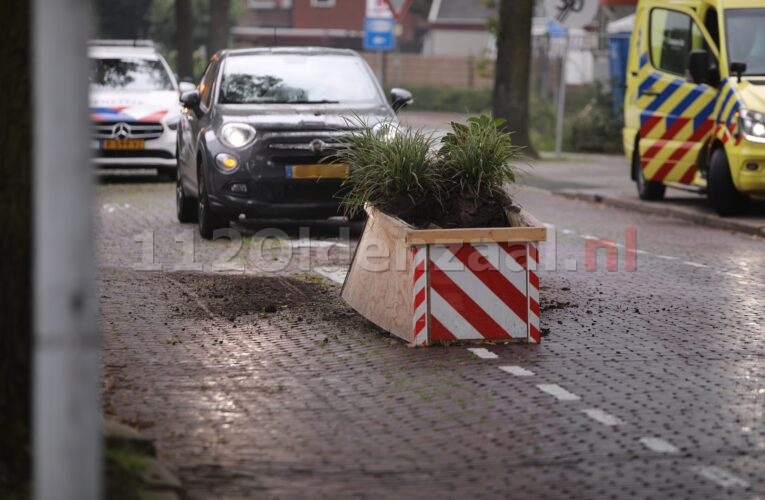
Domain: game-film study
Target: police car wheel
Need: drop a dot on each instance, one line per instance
(723, 195)
(647, 190)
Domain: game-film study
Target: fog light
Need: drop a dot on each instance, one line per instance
(226, 161)
(752, 166)
(238, 188)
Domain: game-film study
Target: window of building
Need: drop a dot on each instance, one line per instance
(269, 4)
(322, 3)
(261, 4)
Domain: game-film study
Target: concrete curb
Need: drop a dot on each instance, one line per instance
(648, 208)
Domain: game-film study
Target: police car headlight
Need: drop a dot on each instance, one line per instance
(753, 125)
(386, 131)
(236, 135)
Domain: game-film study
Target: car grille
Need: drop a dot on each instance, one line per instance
(127, 130)
(304, 143)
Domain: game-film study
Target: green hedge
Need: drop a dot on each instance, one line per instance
(589, 125)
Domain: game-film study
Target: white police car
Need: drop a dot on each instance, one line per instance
(133, 106)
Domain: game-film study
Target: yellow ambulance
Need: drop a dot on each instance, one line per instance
(695, 100)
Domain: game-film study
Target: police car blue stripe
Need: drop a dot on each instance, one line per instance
(643, 60)
(111, 114)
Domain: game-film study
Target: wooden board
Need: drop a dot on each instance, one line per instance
(476, 235)
(383, 297)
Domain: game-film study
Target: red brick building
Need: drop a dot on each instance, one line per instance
(332, 23)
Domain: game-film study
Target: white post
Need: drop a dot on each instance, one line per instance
(66, 413)
(561, 101)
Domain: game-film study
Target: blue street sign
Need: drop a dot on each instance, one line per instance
(555, 29)
(379, 33)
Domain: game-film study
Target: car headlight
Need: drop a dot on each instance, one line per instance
(386, 131)
(752, 125)
(236, 135)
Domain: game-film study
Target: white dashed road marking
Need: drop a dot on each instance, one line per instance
(694, 264)
(720, 476)
(667, 257)
(482, 353)
(559, 392)
(658, 445)
(517, 371)
(602, 417)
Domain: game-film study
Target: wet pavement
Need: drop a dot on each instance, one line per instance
(256, 381)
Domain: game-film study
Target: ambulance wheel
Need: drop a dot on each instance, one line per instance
(723, 195)
(647, 190)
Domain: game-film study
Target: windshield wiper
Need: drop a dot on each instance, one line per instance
(306, 101)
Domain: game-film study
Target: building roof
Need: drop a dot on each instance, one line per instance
(459, 12)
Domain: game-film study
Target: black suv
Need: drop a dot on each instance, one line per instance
(252, 136)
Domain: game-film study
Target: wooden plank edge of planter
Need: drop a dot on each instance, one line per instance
(385, 298)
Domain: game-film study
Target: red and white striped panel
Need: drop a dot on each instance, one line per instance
(534, 312)
(479, 291)
(419, 295)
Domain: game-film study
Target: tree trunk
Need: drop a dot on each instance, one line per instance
(183, 38)
(218, 26)
(511, 81)
(15, 248)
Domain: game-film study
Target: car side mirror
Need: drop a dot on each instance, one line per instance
(184, 87)
(738, 69)
(698, 66)
(191, 101)
(400, 98)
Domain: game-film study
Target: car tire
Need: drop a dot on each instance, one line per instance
(208, 221)
(647, 190)
(186, 206)
(725, 199)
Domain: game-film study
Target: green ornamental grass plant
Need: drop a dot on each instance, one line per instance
(408, 173)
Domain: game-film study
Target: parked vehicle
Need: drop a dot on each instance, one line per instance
(133, 106)
(253, 134)
(695, 101)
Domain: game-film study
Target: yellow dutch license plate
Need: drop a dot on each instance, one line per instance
(317, 171)
(124, 144)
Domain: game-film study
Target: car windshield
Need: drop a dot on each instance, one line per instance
(746, 38)
(129, 74)
(296, 78)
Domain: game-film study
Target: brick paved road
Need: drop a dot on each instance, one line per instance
(649, 384)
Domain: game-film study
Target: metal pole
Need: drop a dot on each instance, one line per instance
(66, 412)
(561, 101)
(380, 71)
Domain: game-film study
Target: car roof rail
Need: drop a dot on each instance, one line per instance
(122, 43)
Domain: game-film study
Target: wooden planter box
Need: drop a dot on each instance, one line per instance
(432, 286)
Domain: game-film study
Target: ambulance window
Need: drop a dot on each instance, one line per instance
(673, 36)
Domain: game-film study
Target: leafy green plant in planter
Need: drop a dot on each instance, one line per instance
(407, 173)
(476, 158)
(391, 168)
